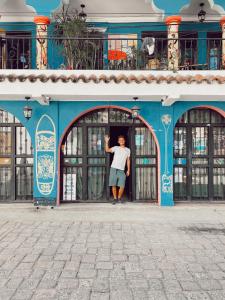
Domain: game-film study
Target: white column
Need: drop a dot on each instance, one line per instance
(173, 23)
(42, 23)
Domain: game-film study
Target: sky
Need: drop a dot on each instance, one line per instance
(170, 6)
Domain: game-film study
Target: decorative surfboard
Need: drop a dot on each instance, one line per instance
(45, 155)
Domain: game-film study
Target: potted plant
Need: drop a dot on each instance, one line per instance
(78, 44)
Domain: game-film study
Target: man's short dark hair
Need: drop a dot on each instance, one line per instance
(121, 137)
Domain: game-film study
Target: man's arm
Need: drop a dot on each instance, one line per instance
(128, 166)
(107, 149)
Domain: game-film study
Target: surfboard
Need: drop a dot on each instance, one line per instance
(45, 139)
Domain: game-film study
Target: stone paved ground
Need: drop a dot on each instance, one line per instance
(102, 252)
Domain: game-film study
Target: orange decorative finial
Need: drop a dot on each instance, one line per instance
(173, 20)
(222, 21)
(42, 20)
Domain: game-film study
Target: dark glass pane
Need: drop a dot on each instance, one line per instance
(73, 161)
(72, 184)
(96, 140)
(24, 183)
(219, 140)
(180, 183)
(73, 145)
(6, 117)
(200, 140)
(219, 161)
(216, 118)
(200, 183)
(219, 183)
(24, 161)
(200, 116)
(96, 161)
(100, 116)
(200, 161)
(96, 183)
(144, 142)
(119, 116)
(146, 183)
(5, 141)
(146, 161)
(5, 183)
(180, 141)
(23, 142)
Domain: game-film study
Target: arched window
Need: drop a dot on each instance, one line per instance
(199, 156)
(85, 165)
(16, 160)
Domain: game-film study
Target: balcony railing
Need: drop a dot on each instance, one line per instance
(19, 52)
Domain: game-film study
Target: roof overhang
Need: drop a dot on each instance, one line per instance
(116, 11)
(164, 86)
(16, 11)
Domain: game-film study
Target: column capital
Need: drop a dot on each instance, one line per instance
(222, 21)
(42, 20)
(173, 20)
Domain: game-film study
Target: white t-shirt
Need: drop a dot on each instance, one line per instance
(120, 157)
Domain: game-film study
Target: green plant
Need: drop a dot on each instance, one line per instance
(79, 45)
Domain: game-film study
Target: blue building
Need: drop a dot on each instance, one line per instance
(74, 71)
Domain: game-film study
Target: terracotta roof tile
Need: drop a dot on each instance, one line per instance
(121, 78)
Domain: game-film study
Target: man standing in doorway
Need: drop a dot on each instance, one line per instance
(117, 177)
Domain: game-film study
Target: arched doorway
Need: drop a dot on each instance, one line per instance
(199, 156)
(16, 160)
(84, 165)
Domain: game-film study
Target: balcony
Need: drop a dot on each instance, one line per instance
(19, 52)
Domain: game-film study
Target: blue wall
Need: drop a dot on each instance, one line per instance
(63, 113)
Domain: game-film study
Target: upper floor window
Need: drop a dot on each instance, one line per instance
(15, 50)
(188, 50)
(156, 57)
(214, 50)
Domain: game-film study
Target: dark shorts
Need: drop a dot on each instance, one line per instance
(117, 177)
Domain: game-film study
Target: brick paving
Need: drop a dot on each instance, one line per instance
(100, 252)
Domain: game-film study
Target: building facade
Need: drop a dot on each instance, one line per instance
(168, 62)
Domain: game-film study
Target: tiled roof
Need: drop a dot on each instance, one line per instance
(176, 78)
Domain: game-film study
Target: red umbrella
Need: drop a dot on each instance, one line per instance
(116, 55)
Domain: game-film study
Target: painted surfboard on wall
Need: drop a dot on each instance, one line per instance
(45, 155)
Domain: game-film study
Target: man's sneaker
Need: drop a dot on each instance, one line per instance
(114, 202)
(120, 201)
